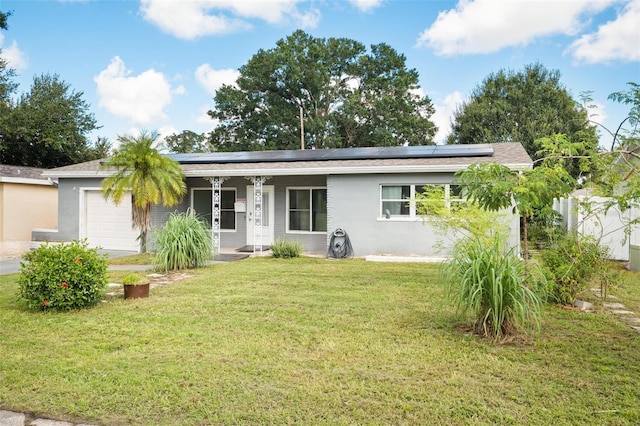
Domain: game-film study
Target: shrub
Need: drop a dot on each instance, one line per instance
(490, 282)
(62, 277)
(184, 242)
(135, 279)
(286, 249)
(544, 226)
(573, 262)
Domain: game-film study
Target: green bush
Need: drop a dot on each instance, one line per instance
(545, 226)
(184, 242)
(573, 262)
(62, 277)
(135, 279)
(490, 282)
(286, 249)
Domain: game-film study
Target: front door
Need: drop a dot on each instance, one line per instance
(262, 235)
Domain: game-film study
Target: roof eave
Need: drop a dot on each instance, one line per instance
(25, 181)
(351, 170)
(267, 171)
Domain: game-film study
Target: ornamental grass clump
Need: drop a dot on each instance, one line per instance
(184, 242)
(62, 277)
(286, 249)
(489, 282)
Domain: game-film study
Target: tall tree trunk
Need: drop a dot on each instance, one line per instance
(141, 219)
(525, 236)
(143, 241)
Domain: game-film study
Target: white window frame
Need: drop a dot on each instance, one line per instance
(413, 215)
(308, 188)
(208, 188)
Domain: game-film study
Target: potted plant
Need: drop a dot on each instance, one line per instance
(136, 286)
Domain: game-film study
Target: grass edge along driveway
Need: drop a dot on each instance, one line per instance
(311, 341)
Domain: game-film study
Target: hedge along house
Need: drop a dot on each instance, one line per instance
(253, 198)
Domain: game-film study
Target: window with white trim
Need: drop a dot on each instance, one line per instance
(307, 209)
(413, 201)
(201, 203)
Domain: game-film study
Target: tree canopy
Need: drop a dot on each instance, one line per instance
(186, 142)
(627, 136)
(3, 20)
(48, 126)
(322, 93)
(7, 86)
(522, 106)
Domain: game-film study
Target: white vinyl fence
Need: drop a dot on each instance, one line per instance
(588, 215)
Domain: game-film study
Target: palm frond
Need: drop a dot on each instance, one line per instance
(150, 177)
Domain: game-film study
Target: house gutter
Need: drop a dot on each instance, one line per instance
(28, 181)
(267, 171)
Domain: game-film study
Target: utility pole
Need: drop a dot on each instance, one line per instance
(301, 129)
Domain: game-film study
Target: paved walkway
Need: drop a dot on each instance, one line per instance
(10, 254)
(11, 418)
(13, 249)
(619, 310)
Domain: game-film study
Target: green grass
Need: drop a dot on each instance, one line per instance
(311, 341)
(136, 259)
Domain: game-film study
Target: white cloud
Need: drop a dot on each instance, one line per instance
(366, 5)
(443, 115)
(212, 79)
(616, 40)
(485, 26)
(167, 130)
(141, 99)
(597, 113)
(197, 18)
(208, 123)
(309, 19)
(180, 90)
(15, 58)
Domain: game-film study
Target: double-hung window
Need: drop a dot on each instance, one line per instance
(307, 209)
(202, 204)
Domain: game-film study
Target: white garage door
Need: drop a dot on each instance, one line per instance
(108, 225)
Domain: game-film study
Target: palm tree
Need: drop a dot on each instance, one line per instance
(151, 177)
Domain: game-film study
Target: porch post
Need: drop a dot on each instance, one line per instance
(216, 199)
(257, 181)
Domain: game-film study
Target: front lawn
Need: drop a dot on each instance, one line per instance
(311, 341)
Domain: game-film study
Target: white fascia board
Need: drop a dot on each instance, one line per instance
(27, 181)
(340, 170)
(266, 171)
(83, 174)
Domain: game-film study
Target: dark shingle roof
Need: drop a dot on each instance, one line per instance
(21, 172)
(509, 154)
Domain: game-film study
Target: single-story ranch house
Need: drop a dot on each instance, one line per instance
(254, 198)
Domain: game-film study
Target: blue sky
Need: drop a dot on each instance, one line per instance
(155, 64)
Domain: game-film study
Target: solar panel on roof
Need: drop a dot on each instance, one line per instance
(366, 153)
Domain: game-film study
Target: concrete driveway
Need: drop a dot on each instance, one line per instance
(10, 256)
(9, 266)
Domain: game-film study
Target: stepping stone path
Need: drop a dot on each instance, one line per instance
(11, 418)
(616, 308)
(157, 280)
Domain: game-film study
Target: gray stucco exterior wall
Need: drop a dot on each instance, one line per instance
(231, 240)
(354, 205)
(68, 210)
